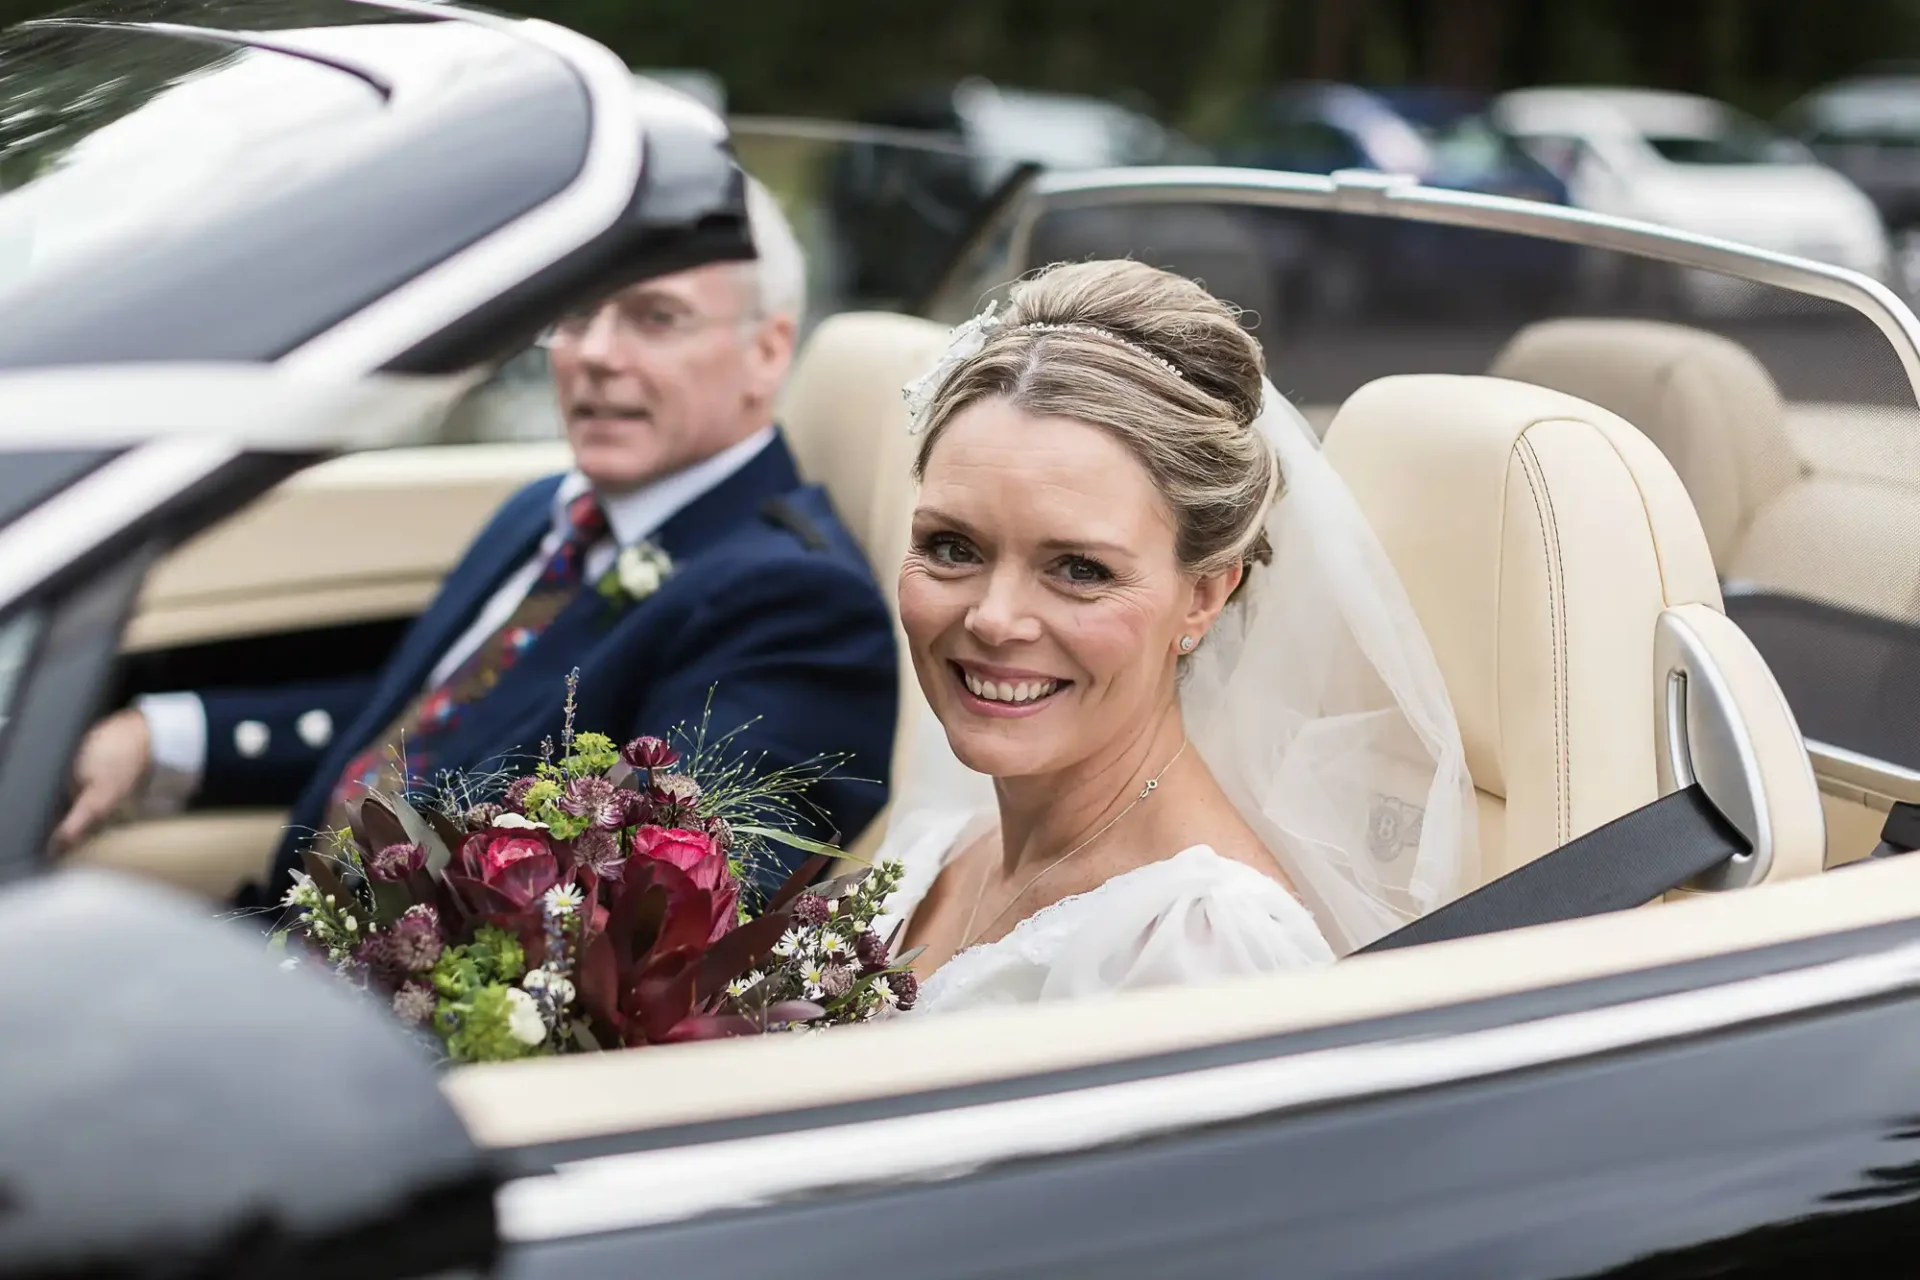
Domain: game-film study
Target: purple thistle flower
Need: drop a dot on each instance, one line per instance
(414, 943)
(811, 909)
(634, 808)
(599, 852)
(872, 950)
(906, 988)
(517, 793)
(482, 816)
(678, 790)
(836, 980)
(596, 800)
(396, 862)
(413, 1004)
(722, 832)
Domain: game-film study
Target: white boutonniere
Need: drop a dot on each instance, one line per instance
(637, 573)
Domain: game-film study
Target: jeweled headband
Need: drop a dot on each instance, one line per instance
(970, 337)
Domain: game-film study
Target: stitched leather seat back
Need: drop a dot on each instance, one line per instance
(1540, 538)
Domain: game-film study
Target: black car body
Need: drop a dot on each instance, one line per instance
(1725, 1085)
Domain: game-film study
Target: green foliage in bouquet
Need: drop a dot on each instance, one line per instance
(596, 901)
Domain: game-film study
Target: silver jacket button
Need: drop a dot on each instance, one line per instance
(315, 728)
(250, 739)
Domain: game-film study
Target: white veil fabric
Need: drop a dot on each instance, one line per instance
(1319, 706)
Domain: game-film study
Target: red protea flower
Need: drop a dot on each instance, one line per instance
(650, 754)
(505, 870)
(705, 864)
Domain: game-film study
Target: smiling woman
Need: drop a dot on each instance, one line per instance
(1099, 475)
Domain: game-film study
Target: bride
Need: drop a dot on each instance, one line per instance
(1185, 724)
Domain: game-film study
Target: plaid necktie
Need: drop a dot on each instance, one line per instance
(411, 738)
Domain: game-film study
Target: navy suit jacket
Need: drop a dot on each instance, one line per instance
(770, 623)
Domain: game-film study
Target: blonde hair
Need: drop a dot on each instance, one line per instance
(1161, 365)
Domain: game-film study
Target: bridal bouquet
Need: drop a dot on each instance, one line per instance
(598, 903)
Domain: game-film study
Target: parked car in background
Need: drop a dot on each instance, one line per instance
(1440, 138)
(898, 210)
(1698, 165)
(1868, 127)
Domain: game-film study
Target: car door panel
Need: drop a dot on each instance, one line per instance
(365, 537)
(1781, 1147)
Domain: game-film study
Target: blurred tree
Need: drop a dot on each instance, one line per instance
(836, 57)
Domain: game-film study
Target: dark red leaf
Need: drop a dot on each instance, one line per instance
(711, 1026)
(375, 826)
(794, 1011)
(745, 948)
(688, 924)
(662, 996)
(798, 881)
(599, 975)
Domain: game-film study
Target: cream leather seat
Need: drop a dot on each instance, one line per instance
(1821, 503)
(847, 423)
(1541, 539)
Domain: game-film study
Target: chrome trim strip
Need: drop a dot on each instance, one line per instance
(594, 201)
(86, 513)
(648, 1188)
(1386, 196)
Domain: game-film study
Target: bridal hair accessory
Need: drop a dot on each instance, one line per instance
(967, 935)
(968, 340)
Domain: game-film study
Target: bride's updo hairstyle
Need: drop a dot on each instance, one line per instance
(1157, 362)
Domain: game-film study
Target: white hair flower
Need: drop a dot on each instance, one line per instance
(964, 345)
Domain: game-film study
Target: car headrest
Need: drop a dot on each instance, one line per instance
(1708, 404)
(847, 423)
(1540, 538)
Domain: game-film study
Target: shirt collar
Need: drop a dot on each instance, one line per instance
(639, 513)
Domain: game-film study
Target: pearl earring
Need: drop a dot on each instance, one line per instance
(1187, 643)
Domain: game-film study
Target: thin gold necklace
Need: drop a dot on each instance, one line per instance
(967, 935)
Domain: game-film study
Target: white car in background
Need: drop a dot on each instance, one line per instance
(1698, 165)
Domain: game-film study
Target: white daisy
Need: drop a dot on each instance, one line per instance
(812, 975)
(835, 947)
(564, 899)
(791, 943)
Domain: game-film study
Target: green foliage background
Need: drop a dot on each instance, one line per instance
(1193, 60)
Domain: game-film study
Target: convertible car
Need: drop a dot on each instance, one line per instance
(256, 256)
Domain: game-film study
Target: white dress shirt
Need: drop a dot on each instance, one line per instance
(177, 722)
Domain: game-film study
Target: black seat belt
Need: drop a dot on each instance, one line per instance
(1630, 861)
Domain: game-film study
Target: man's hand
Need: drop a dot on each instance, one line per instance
(112, 764)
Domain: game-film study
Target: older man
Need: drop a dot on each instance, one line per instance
(681, 568)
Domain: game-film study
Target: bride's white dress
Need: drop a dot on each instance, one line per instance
(1190, 918)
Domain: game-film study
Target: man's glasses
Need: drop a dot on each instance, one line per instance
(651, 323)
